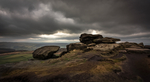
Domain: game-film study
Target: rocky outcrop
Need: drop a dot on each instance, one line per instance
(45, 52)
(94, 42)
(89, 38)
(132, 45)
(77, 46)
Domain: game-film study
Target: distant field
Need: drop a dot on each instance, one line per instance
(15, 58)
(28, 46)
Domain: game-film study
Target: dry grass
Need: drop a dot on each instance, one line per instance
(72, 66)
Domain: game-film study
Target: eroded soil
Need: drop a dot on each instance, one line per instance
(137, 65)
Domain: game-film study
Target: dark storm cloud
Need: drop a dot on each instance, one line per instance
(30, 18)
(111, 15)
(17, 19)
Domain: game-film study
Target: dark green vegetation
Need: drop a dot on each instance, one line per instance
(15, 58)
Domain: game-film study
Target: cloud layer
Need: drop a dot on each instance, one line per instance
(28, 20)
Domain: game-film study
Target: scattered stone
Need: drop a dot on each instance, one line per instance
(45, 52)
(88, 38)
(77, 46)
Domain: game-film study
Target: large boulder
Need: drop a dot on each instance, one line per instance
(77, 46)
(45, 52)
(89, 38)
(106, 40)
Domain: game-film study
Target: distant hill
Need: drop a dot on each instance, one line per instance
(28, 46)
(5, 50)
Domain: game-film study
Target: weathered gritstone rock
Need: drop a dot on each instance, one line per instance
(77, 46)
(132, 45)
(104, 47)
(88, 38)
(141, 44)
(106, 40)
(92, 44)
(45, 52)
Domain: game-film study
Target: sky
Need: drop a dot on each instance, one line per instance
(63, 21)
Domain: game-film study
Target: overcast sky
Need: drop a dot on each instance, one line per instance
(64, 20)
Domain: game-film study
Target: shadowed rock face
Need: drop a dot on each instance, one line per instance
(141, 44)
(132, 45)
(77, 46)
(88, 38)
(45, 52)
(106, 40)
(95, 42)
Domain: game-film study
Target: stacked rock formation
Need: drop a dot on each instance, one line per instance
(88, 42)
(96, 42)
(89, 38)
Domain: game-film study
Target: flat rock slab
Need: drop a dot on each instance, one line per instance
(104, 47)
(137, 49)
(45, 52)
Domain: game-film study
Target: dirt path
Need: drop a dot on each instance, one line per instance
(137, 65)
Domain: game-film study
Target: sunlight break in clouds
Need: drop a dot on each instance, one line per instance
(57, 35)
